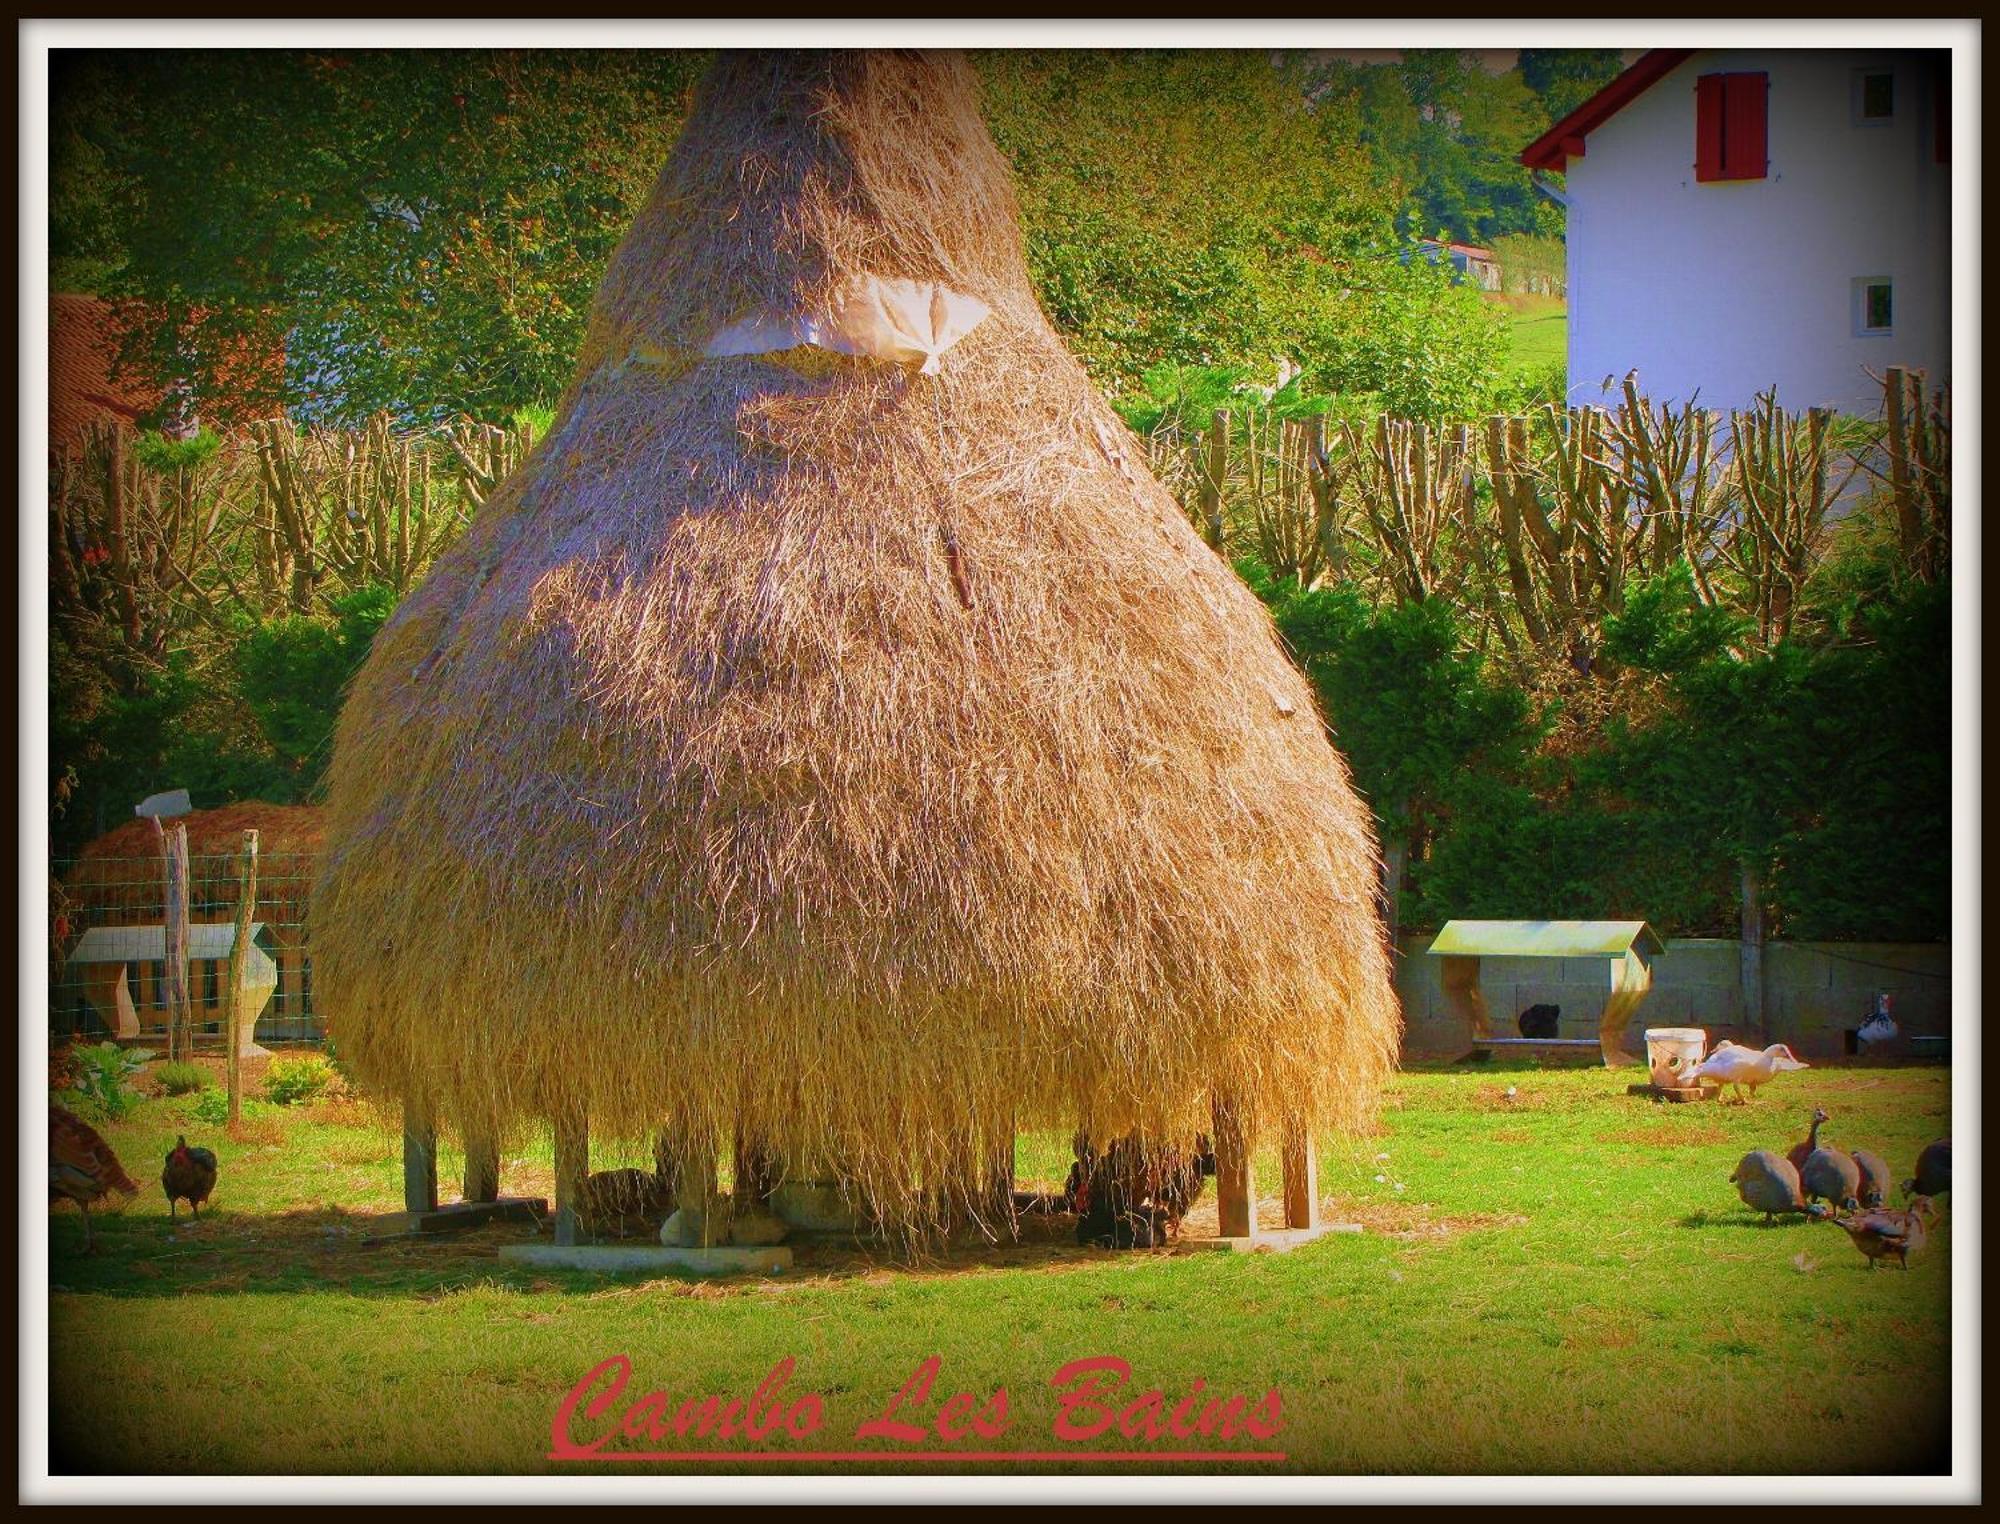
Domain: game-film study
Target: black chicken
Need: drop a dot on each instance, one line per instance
(189, 1176)
(1132, 1196)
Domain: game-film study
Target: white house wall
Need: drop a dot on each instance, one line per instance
(1728, 287)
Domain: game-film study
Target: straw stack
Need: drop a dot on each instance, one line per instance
(860, 761)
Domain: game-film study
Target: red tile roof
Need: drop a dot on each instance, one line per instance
(1555, 148)
(84, 334)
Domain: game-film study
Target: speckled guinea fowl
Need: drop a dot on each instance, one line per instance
(1768, 1184)
(1833, 1176)
(1875, 1177)
(1886, 1234)
(1933, 1176)
(1799, 1152)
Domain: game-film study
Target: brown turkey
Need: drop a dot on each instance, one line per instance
(83, 1168)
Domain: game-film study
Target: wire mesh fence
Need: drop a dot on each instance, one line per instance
(108, 975)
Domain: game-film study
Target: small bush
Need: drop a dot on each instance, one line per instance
(212, 1106)
(179, 1078)
(104, 1075)
(291, 1080)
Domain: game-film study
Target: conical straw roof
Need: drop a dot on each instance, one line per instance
(866, 762)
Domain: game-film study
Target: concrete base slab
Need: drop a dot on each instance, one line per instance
(1272, 1240)
(638, 1258)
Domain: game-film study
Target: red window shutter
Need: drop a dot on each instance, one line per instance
(1744, 136)
(1708, 127)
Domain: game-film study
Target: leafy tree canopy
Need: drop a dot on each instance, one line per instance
(422, 232)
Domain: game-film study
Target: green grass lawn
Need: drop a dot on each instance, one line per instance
(1537, 332)
(1557, 1281)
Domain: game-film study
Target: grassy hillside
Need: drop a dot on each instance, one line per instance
(1537, 331)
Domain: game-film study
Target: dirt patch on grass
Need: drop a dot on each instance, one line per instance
(1413, 1221)
(1663, 1136)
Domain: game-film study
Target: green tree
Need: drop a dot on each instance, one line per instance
(1821, 767)
(1446, 134)
(1564, 78)
(1186, 208)
(1412, 709)
(418, 231)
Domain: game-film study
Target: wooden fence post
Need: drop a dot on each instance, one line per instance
(174, 966)
(1212, 476)
(239, 967)
(1301, 1178)
(482, 1166)
(1235, 1183)
(572, 1168)
(420, 1171)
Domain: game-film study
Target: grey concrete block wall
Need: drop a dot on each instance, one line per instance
(1814, 992)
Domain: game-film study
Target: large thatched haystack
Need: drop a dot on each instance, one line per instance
(865, 761)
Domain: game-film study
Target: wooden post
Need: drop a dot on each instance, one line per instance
(1752, 947)
(174, 967)
(1459, 977)
(1896, 397)
(1211, 481)
(1395, 859)
(1301, 1171)
(1235, 1183)
(572, 1167)
(420, 1171)
(482, 1166)
(239, 965)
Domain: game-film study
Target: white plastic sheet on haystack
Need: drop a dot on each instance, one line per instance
(906, 322)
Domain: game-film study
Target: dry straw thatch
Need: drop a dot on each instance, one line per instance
(865, 763)
(122, 877)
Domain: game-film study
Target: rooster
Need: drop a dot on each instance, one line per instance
(83, 1167)
(189, 1176)
(1134, 1195)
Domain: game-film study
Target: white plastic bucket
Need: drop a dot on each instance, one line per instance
(1672, 1053)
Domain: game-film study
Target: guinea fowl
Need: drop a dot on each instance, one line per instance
(83, 1168)
(1933, 1170)
(1133, 1196)
(1832, 1175)
(1798, 1153)
(1746, 1067)
(1874, 1177)
(1883, 1233)
(189, 1176)
(1769, 1184)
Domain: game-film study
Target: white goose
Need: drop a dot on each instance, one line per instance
(1746, 1067)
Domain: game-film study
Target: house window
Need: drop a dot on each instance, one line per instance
(1874, 97)
(1730, 126)
(1874, 306)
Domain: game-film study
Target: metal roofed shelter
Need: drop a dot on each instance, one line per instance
(103, 953)
(1626, 948)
